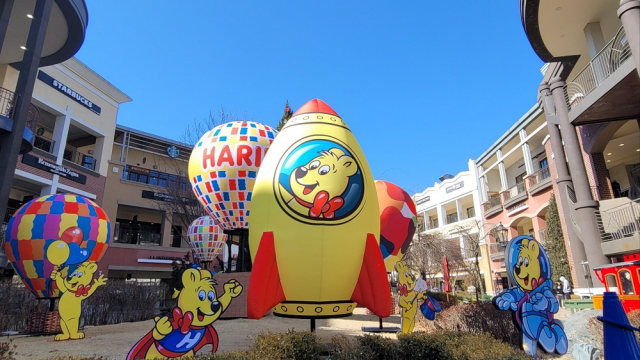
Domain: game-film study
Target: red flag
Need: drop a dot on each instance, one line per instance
(447, 283)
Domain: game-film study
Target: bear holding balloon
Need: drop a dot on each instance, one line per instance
(54, 243)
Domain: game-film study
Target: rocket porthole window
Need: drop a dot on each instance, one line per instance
(320, 179)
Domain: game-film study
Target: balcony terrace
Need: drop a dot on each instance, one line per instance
(607, 88)
(7, 108)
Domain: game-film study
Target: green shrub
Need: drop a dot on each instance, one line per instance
(302, 345)
(231, 355)
(375, 347)
(455, 346)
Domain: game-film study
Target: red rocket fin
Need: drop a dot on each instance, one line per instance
(265, 289)
(372, 289)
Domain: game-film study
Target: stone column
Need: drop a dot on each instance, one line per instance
(526, 153)
(459, 209)
(60, 132)
(441, 214)
(585, 207)
(503, 172)
(562, 181)
(629, 14)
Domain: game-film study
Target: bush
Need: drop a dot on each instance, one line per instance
(7, 350)
(289, 345)
(455, 345)
(475, 318)
(113, 303)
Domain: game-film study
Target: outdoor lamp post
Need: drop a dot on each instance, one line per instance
(502, 233)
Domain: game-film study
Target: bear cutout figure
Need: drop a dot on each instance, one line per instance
(189, 327)
(412, 289)
(75, 288)
(532, 300)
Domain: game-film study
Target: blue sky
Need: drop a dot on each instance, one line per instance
(423, 85)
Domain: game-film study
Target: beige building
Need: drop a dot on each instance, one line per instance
(73, 117)
(149, 201)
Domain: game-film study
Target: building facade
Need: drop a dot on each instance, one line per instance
(150, 205)
(74, 111)
(450, 211)
(515, 186)
(590, 97)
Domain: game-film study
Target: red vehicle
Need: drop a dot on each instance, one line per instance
(622, 278)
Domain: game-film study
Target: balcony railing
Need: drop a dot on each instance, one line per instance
(539, 180)
(542, 236)
(76, 157)
(620, 222)
(515, 194)
(496, 250)
(451, 218)
(492, 206)
(605, 63)
(44, 144)
(8, 101)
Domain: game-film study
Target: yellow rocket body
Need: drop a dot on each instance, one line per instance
(315, 202)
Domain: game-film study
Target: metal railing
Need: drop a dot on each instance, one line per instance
(494, 201)
(496, 250)
(8, 214)
(78, 158)
(605, 63)
(514, 191)
(44, 144)
(451, 218)
(539, 176)
(619, 222)
(542, 236)
(8, 101)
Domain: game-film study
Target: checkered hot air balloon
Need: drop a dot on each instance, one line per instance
(206, 238)
(61, 219)
(223, 168)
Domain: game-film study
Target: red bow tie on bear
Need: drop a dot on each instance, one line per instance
(402, 289)
(183, 322)
(83, 290)
(325, 207)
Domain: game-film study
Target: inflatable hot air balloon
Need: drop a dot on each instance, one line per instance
(206, 239)
(223, 168)
(397, 221)
(51, 232)
(315, 224)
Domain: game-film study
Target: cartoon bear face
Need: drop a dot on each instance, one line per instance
(328, 172)
(83, 275)
(405, 275)
(527, 269)
(199, 297)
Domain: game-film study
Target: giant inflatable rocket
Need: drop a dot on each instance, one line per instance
(314, 223)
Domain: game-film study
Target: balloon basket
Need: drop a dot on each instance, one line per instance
(44, 323)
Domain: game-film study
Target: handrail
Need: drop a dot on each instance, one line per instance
(514, 191)
(605, 63)
(8, 100)
(620, 222)
(492, 202)
(539, 176)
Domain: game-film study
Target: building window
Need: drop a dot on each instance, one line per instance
(163, 180)
(137, 232)
(176, 236)
(471, 212)
(153, 177)
(544, 163)
(520, 178)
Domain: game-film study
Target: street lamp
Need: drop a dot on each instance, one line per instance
(501, 232)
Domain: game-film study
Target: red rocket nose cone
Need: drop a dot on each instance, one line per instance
(316, 106)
